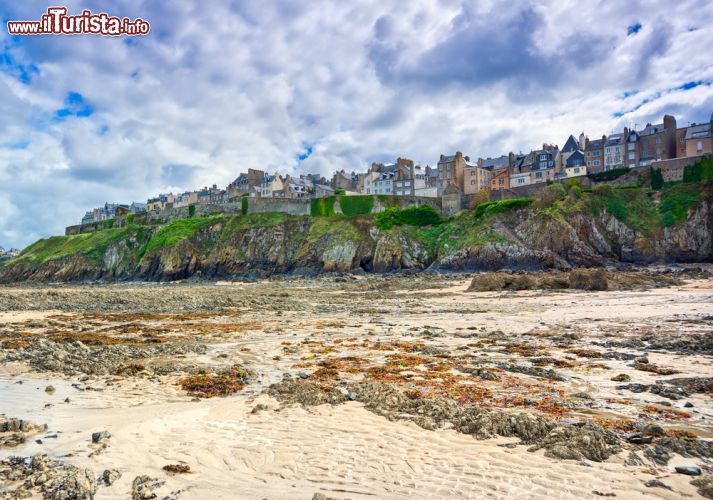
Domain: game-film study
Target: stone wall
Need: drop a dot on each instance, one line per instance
(672, 170)
(288, 206)
(381, 204)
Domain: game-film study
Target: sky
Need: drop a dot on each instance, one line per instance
(316, 86)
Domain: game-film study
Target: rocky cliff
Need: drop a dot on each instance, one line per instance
(571, 228)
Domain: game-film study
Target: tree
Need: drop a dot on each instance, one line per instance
(656, 179)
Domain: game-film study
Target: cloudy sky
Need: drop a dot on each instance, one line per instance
(315, 86)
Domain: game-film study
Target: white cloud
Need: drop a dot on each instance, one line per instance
(216, 89)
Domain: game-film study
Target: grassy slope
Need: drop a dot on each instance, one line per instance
(91, 245)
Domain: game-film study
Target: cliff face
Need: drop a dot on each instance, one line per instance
(529, 238)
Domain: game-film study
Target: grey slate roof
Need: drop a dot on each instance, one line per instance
(571, 145)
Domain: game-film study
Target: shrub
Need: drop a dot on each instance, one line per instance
(191, 210)
(496, 207)
(339, 191)
(356, 205)
(420, 215)
(676, 202)
(322, 207)
(608, 175)
(551, 194)
(656, 179)
(603, 190)
(244, 205)
(701, 171)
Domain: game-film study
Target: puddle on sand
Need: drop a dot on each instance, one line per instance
(26, 398)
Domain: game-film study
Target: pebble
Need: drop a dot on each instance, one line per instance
(50, 389)
(655, 483)
(654, 430)
(688, 470)
(639, 438)
(110, 475)
(688, 405)
(99, 436)
(303, 375)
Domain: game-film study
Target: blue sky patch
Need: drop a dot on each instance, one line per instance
(75, 105)
(306, 154)
(633, 29)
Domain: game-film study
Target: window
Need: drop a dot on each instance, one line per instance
(699, 146)
(472, 173)
(596, 163)
(631, 146)
(632, 156)
(576, 170)
(472, 183)
(538, 175)
(552, 164)
(617, 149)
(502, 182)
(596, 153)
(543, 157)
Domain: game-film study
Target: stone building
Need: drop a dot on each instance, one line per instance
(699, 139)
(614, 151)
(657, 142)
(594, 154)
(450, 171)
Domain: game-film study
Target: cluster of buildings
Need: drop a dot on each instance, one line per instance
(13, 252)
(108, 211)
(578, 157)
(457, 173)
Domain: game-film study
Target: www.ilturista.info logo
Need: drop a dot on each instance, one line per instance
(56, 22)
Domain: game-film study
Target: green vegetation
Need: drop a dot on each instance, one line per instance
(389, 201)
(421, 215)
(701, 171)
(608, 175)
(356, 205)
(656, 179)
(342, 228)
(339, 191)
(191, 211)
(676, 201)
(173, 233)
(495, 207)
(244, 205)
(92, 245)
(322, 207)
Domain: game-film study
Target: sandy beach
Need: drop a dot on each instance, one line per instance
(127, 359)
